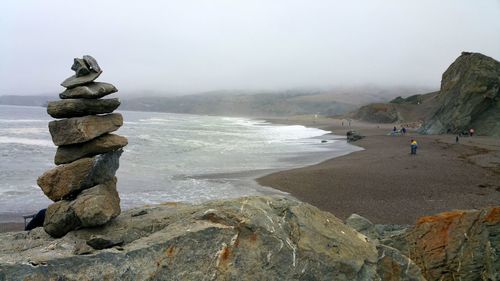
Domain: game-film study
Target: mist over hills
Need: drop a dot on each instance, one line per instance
(247, 103)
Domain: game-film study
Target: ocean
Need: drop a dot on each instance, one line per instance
(170, 157)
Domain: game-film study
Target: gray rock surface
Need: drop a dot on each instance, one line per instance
(93, 207)
(469, 97)
(362, 225)
(67, 180)
(82, 129)
(102, 144)
(92, 90)
(80, 67)
(92, 63)
(256, 238)
(75, 80)
(81, 107)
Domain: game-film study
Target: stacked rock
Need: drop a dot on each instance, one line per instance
(83, 185)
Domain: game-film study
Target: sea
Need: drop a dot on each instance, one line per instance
(170, 157)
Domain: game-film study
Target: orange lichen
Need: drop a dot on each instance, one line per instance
(170, 251)
(253, 237)
(225, 254)
(445, 217)
(493, 215)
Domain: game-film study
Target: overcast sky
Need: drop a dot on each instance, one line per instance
(187, 46)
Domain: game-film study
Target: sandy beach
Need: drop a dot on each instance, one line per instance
(386, 184)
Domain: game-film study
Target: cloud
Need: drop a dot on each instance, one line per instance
(190, 46)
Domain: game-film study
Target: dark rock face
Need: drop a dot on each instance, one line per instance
(92, 90)
(469, 97)
(82, 129)
(458, 245)
(75, 80)
(377, 113)
(103, 144)
(353, 136)
(80, 67)
(256, 238)
(92, 63)
(67, 180)
(93, 207)
(80, 107)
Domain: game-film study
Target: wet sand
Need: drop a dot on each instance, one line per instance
(386, 184)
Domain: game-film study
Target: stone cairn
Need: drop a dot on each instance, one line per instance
(83, 185)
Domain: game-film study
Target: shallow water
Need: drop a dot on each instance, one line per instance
(170, 157)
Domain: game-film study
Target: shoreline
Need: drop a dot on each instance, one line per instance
(387, 185)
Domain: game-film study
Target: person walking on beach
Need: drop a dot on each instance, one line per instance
(413, 147)
(456, 139)
(471, 132)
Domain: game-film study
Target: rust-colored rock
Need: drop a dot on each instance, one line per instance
(458, 245)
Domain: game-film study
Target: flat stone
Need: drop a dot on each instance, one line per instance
(75, 80)
(105, 143)
(92, 63)
(81, 107)
(67, 180)
(99, 243)
(82, 129)
(92, 90)
(97, 205)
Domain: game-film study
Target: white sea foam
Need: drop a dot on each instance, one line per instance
(26, 141)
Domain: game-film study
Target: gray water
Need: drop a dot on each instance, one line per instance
(170, 157)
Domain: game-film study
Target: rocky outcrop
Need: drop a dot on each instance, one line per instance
(458, 245)
(83, 186)
(255, 238)
(377, 113)
(469, 97)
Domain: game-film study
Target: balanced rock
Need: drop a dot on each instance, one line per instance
(80, 67)
(93, 207)
(75, 80)
(105, 143)
(81, 107)
(60, 219)
(97, 205)
(92, 63)
(67, 180)
(82, 129)
(92, 90)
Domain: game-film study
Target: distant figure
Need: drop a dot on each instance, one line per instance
(342, 123)
(413, 147)
(456, 139)
(394, 129)
(37, 220)
(471, 132)
(403, 130)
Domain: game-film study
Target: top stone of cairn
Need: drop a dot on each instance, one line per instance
(86, 70)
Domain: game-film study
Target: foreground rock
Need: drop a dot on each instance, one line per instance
(80, 107)
(82, 129)
(105, 143)
(257, 238)
(67, 180)
(93, 90)
(459, 245)
(93, 207)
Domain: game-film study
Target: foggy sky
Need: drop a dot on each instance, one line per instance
(191, 46)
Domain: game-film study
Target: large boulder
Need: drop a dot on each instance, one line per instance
(67, 180)
(92, 90)
(469, 97)
(82, 129)
(255, 238)
(458, 245)
(95, 206)
(81, 107)
(102, 144)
